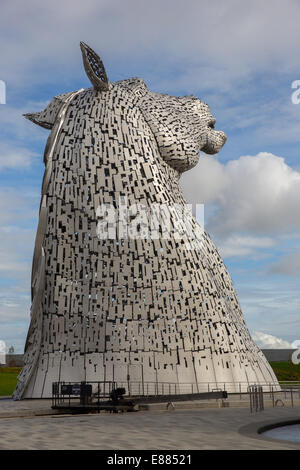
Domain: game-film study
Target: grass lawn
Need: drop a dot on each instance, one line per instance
(286, 371)
(8, 379)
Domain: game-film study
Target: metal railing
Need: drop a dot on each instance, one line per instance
(258, 394)
(289, 395)
(256, 398)
(136, 388)
(66, 392)
(96, 394)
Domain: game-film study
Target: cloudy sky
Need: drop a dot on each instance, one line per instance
(239, 57)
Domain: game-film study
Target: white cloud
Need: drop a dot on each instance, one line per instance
(238, 37)
(266, 341)
(252, 208)
(236, 245)
(257, 195)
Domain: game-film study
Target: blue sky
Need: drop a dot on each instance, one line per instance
(239, 57)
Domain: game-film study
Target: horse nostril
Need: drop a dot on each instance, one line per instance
(212, 123)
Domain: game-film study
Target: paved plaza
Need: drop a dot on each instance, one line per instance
(198, 428)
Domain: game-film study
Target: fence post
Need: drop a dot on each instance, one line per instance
(262, 397)
(256, 398)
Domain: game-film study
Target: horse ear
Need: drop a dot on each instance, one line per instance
(47, 117)
(94, 68)
(38, 119)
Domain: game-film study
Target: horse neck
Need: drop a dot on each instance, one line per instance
(131, 164)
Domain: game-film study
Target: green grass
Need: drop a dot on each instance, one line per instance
(286, 371)
(8, 379)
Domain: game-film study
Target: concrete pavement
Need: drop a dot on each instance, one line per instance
(185, 429)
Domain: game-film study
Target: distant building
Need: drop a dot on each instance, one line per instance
(13, 360)
(278, 355)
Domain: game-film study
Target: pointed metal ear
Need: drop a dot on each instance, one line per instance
(94, 68)
(37, 118)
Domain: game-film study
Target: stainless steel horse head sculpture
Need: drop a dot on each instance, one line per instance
(117, 293)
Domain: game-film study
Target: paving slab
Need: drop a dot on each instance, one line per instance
(198, 428)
